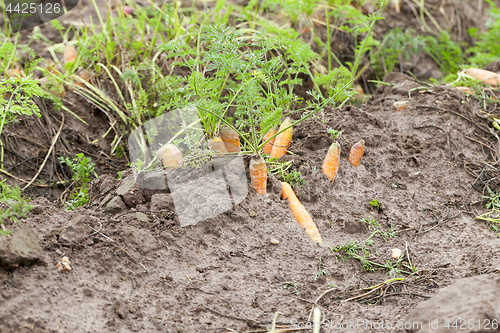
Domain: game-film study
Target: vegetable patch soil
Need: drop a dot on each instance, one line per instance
(134, 269)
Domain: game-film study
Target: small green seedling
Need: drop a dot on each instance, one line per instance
(334, 133)
(376, 204)
(294, 178)
(82, 169)
(370, 221)
(292, 287)
(321, 270)
(17, 206)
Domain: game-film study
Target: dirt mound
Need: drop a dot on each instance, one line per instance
(468, 304)
(134, 267)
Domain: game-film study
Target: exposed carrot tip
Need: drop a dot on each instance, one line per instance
(466, 90)
(231, 139)
(266, 149)
(332, 161)
(170, 156)
(258, 174)
(69, 53)
(218, 146)
(283, 139)
(400, 105)
(356, 153)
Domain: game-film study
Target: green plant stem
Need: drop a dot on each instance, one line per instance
(6, 111)
(363, 45)
(328, 40)
(318, 107)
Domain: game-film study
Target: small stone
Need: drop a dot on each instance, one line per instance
(21, 247)
(126, 185)
(275, 241)
(400, 105)
(106, 199)
(152, 180)
(395, 253)
(115, 206)
(121, 309)
(142, 217)
(75, 232)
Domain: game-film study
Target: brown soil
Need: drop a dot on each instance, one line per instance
(133, 274)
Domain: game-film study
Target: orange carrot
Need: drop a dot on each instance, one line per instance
(84, 75)
(258, 174)
(466, 90)
(14, 72)
(218, 146)
(69, 53)
(266, 149)
(484, 76)
(170, 156)
(52, 67)
(231, 139)
(301, 214)
(282, 140)
(356, 152)
(400, 105)
(331, 162)
(359, 90)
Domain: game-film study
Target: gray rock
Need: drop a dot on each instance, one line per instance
(100, 185)
(75, 232)
(142, 217)
(126, 185)
(115, 206)
(152, 180)
(162, 201)
(475, 299)
(130, 192)
(106, 199)
(133, 197)
(121, 309)
(21, 247)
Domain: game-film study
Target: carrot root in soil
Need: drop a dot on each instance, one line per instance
(170, 156)
(69, 53)
(301, 214)
(258, 174)
(466, 90)
(231, 139)
(266, 149)
(356, 153)
(282, 140)
(218, 146)
(332, 161)
(491, 78)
